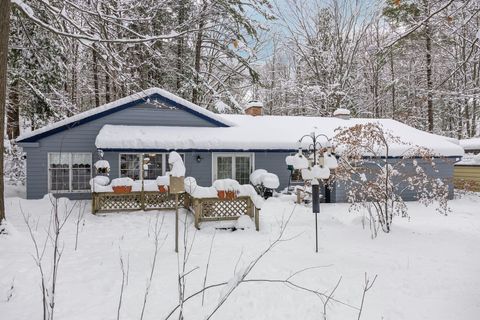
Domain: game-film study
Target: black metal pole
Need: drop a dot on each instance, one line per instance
(315, 194)
(316, 210)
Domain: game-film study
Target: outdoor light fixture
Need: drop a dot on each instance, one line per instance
(319, 171)
(199, 158)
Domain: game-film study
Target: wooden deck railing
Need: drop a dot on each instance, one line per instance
(215, 209)
(204, 209)
(136, 200)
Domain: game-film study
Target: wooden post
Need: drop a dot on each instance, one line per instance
(93, 203)
(142, 198)
(176, 222)
(257, 219)
(196, 212)
(299, 198)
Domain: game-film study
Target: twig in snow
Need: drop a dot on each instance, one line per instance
(122, 287)
(330, 296)
(367, 286)
(208, 264)
(157, 230)
(81, 213)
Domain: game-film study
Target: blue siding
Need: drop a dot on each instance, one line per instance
(82, 139)
(444, 172)
(274, 162)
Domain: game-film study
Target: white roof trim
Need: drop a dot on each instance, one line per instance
(117, 103)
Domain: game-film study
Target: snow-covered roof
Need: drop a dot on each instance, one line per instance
(469, 159)
(138, 97)
(341, 112)
(254, 103)
(259, 133)
(470, 144)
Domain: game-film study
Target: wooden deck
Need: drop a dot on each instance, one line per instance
(215, 209)
(137, 200)
(204, 209)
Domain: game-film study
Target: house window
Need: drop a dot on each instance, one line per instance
(69, 172)
(130, 165)
(152, 165)
(146, 166)
(236, 166)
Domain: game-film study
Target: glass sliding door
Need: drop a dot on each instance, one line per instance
(242, 169)
(237, 166)
(224, 168)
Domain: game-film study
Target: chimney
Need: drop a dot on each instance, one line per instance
(342, 113)
(254, 108)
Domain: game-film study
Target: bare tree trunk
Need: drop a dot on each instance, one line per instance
(198, 53)
(95, 78)
(428, 60)
(180, 41)
(476, 82)
(392, 74)
(107, 85)
(4, 33)
(13, 112)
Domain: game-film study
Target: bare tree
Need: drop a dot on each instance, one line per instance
(380, 183)
(4, 35)
(49, 278)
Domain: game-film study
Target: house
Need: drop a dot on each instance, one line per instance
(467, 171)
(471, 145)
(136, 133)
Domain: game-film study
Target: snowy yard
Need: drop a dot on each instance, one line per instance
(428, 267)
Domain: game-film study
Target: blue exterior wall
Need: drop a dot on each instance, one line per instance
(443, 171)
(82, 139)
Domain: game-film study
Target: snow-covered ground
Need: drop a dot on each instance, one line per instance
(428, 267)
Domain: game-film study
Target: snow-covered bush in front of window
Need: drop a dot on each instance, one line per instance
(14, 163)
(265, 182)
(177, 166)
(102, 166)
(100, 180)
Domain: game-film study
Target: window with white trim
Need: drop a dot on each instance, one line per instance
(237, 166)
(69, 172)
(146, 166)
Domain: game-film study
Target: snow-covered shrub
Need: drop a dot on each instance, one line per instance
(265, 182)
(102, 166)
(177, 166)
(14, 163)
(100, 180)
(375, 181)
